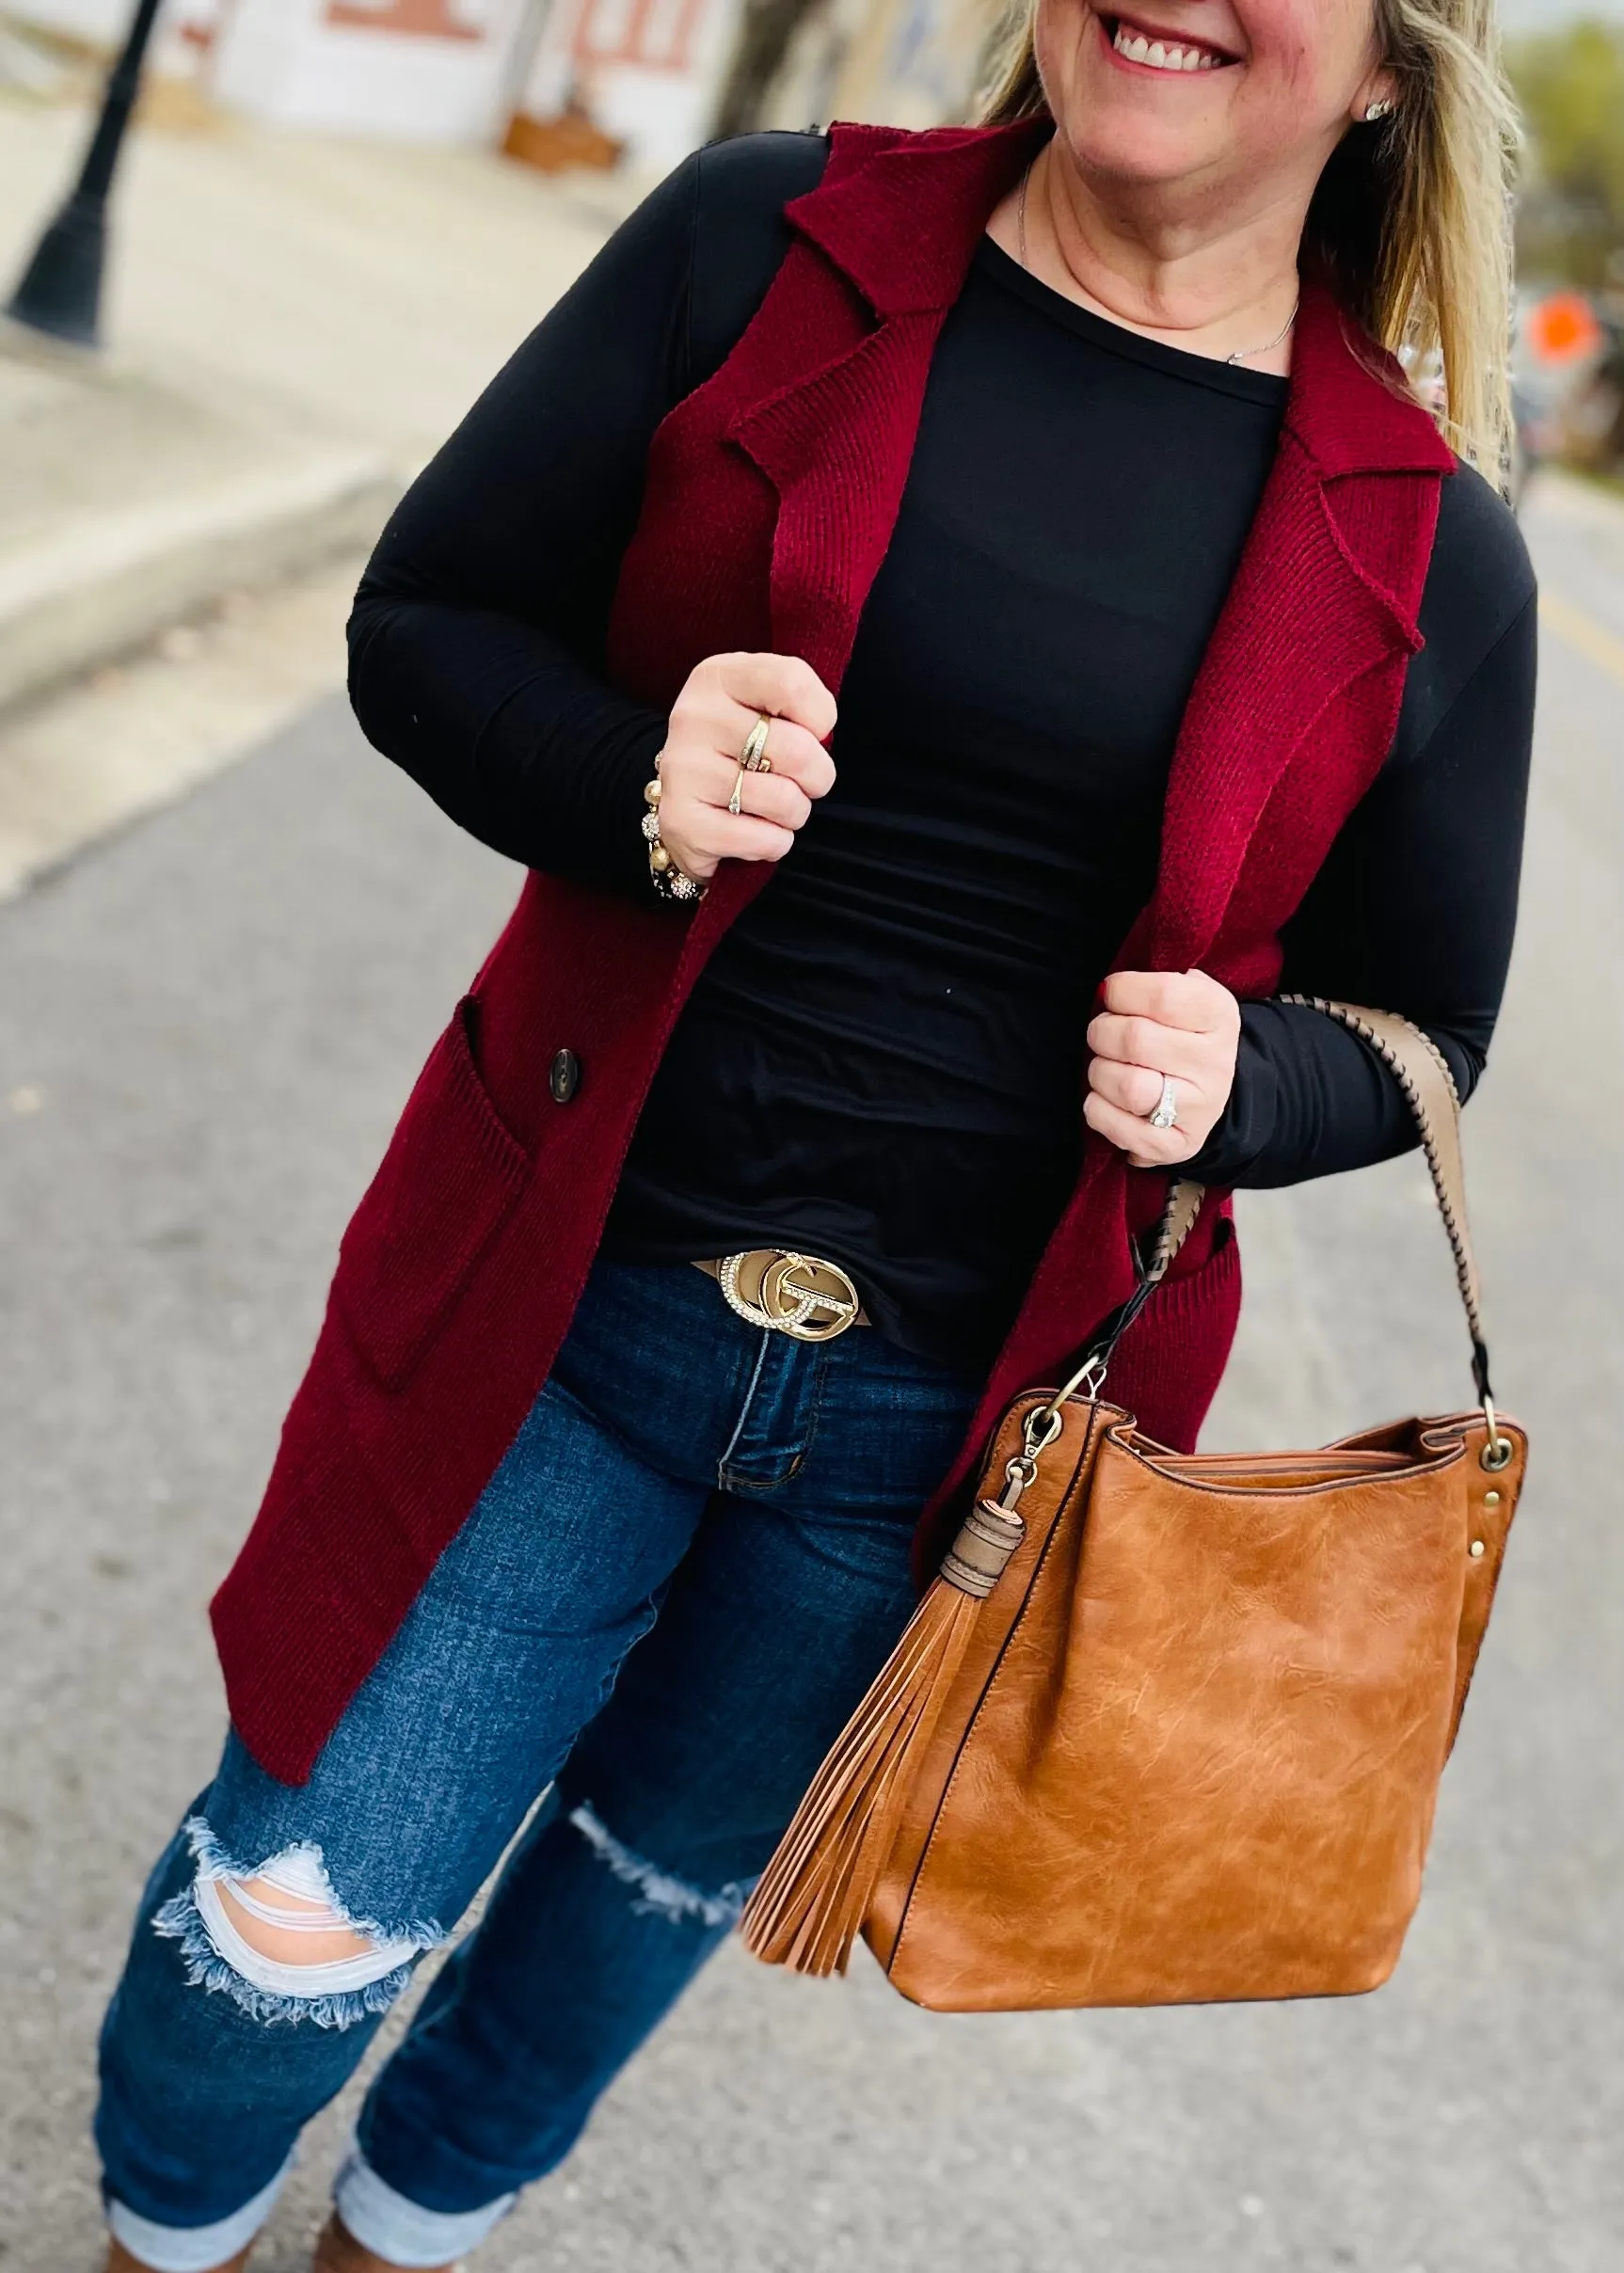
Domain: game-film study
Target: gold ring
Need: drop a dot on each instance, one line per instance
(753, 757)
(735, 802)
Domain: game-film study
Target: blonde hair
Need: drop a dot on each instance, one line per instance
(1411, 219)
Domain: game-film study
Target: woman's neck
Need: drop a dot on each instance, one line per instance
(1224, 288)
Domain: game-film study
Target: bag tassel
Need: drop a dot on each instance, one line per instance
(808, 1907)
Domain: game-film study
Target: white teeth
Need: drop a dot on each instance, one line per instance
(1160, 55)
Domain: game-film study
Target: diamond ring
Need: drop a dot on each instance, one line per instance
(1167, 1113)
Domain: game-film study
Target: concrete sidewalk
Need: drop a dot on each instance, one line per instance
(294, 325)
(126, 506)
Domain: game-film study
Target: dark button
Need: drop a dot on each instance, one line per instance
(563, 1077)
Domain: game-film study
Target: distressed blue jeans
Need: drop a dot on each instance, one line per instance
(662, 1609)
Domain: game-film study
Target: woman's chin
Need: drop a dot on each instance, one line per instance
(1107, 145)
(1130, 127)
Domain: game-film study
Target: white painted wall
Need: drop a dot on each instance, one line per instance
(283, 61)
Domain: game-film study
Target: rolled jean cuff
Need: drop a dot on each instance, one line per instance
(192, 2248)
(402, 2230)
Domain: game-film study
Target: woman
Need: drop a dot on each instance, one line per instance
(1012, 543)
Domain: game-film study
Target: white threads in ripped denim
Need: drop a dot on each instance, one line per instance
(216, 1956)
(661, 1896)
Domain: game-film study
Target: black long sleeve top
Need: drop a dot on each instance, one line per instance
(885, 1061)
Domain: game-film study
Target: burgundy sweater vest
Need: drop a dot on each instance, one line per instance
(770, 496)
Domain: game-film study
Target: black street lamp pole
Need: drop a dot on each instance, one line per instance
(62, 288)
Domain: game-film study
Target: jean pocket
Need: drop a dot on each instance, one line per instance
(445, 1186)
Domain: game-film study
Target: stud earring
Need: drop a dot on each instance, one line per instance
(1373, 111)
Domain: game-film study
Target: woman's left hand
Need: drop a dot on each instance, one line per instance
(1180, 1025)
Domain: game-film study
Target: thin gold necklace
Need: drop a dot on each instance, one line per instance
(1241, 354)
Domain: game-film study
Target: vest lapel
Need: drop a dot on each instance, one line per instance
(835, 440)
(1326, 595)
(844, 433)
(828, 383)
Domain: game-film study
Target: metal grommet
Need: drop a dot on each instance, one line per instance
(1496, 1455)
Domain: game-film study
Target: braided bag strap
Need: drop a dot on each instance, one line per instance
(1422, 1074)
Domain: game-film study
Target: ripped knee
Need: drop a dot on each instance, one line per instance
(283, 1929)
(657, 1893)
(277, 1941)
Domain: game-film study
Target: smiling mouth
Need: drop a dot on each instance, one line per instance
(1162, 51)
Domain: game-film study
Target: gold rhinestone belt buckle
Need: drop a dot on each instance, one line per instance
(801, 1295)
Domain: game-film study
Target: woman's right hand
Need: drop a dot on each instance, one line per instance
(709, 722)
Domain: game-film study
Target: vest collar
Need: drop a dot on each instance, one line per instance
(1349, 406)
(865, 215)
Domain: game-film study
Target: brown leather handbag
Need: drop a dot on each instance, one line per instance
(1167, 1727)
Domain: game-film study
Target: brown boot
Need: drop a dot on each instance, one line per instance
(119, 2260)
(338, 2251)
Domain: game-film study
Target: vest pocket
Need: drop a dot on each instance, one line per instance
(442, 1191)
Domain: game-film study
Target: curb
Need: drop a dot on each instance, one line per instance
(92, 594)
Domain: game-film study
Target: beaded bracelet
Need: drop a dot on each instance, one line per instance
(668, 880)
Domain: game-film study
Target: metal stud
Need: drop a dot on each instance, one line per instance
(1491, 1499)
(1476, 1551)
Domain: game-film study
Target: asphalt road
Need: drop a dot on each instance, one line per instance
(206, 1027)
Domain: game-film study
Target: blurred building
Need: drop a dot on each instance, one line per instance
(554, 81)
(429, 71)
